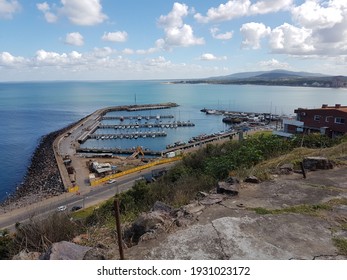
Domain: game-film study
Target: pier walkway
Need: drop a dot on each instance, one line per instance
(128, 135)
(147, 125)
(200, 143)
(136, 117)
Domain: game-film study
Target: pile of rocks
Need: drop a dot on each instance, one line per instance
(42, 179)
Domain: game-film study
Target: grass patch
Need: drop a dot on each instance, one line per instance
(298, 209)
(337, 201)
(341, 245)
(83, 213)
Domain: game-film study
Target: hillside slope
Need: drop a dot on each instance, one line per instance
(311, 215)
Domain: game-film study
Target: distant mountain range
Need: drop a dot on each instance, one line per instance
(276, 77)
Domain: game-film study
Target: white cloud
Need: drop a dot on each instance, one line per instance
(74, 39)
(231, 9)
(8, 8)
(211, 57)
(103, 63)
(46, 10)
(177, 34)
(158, 62)
(252, 34)
(175, 17)
(128, 51)
(270, 6)
(44, 58)
(7, 59)
(86, 12)
(220, 36)
(273, 64)
(102, 52)
(291, 40)
(239, 8)
(312, 15)
(119, 36)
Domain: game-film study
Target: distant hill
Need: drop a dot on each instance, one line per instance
(276, 77)
(279, 73)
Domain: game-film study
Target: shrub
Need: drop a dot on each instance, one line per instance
(38, 235)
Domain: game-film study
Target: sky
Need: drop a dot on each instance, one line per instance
(156, 39)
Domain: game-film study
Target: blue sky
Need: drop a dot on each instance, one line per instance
(137, 39)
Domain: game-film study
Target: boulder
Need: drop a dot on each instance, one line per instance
(193, 208)
(161, 206)
(212, 199)
(287, 168)
(95, 254)
(232, 180)
(146, 222)
(252, 179)
(228, 188)
(25, 255)
(315, 163)
(65, 251)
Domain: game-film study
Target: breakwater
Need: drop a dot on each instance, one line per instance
(42, 179)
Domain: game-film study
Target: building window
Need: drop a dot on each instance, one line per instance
(316, 117)
(339, 120)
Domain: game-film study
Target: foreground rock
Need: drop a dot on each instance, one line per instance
(315, 163)
(227, 231)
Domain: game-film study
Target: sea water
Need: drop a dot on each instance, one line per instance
(30, 110)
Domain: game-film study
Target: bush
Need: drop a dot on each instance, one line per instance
(38, 235)
(7, 248)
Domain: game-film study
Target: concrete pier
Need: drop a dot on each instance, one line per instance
(137, 117)
(128, 135)
(147, 125)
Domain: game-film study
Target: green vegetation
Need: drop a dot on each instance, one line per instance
(37, 235)
(303, 209)
(299, 209)
(6, 245)
(200, 171)
(341, 245)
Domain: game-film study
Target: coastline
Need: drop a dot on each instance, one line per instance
(42, 179)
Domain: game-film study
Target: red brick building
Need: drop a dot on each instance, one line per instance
(328, 120)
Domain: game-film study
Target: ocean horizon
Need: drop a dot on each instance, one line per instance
(30, 110)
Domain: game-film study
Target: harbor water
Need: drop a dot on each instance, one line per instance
(30, 110)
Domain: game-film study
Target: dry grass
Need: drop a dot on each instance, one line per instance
(263, 170)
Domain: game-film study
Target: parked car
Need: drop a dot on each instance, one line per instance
(61, 208)
(75, 208)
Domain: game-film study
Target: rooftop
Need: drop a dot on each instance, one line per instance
(338, 107)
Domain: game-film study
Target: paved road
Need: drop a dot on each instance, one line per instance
(46, 207)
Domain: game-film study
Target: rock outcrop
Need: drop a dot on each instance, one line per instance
(315, 163)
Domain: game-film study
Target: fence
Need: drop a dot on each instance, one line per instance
(97, 182)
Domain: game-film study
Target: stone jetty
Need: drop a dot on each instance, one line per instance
(42, 179)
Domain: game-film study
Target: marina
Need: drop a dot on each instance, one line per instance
(66, 107)
(135, 135)
(137, 125)
(148, 117)
(177, 147)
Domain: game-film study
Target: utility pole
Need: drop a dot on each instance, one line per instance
(119, 232)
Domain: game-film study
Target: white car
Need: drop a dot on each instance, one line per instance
(111, 181)
(61, 208)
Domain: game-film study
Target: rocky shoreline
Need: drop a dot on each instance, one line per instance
(42, 179)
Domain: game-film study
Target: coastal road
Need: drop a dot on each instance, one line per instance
(42, 209)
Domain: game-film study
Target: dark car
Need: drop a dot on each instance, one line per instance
(75, 208)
